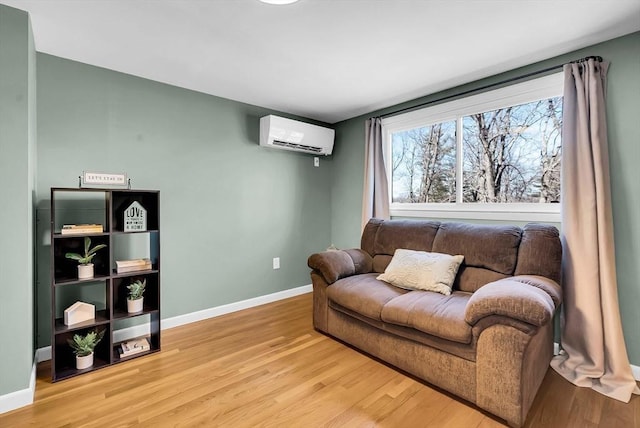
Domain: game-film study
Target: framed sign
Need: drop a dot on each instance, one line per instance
(101, 179)
(135, 218)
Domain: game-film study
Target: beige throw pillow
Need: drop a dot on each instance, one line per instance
(420, 270)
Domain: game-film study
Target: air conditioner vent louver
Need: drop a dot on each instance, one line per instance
(297, 146)
(287, 134)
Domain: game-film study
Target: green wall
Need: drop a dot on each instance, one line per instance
(17, 145)
(228, 206)
(623, 110)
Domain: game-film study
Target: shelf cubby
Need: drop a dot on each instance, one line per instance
(63, 360)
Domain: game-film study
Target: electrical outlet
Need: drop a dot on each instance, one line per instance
(316, 161)
(276, 262)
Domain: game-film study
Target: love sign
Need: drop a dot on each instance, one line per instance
(135, 218)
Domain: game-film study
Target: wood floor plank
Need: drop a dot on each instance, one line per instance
(586, 408)
(268, 367)
(408, 410)
(616, 413)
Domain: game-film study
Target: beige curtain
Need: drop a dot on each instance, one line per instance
(594, 353)
(375, 199)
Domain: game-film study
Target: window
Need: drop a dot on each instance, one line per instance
(495, 155)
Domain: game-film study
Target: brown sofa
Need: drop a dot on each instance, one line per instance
(489, 342)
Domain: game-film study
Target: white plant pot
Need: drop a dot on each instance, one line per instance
(84, 362)
(85, 271)
(134, 306)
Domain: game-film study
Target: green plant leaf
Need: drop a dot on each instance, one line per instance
(89, 252)
(84, 345)
(73, 256)
(96, 248)
(136, 289)
(87, 245)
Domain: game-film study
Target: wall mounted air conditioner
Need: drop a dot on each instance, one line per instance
(287, 134)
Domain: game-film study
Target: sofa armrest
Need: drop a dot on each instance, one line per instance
(527, 298)
(334, 265)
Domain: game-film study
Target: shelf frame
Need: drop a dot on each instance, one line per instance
(109, 206)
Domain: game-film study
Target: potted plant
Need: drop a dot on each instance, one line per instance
(83, 347)
(135, 298)
(85, 267)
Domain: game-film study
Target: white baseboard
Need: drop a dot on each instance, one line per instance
(636, 372)
(43, 354)
(24, 397)
(232, 307)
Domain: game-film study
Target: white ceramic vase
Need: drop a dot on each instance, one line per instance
(84, 362)
(134, 306)
(85, 271)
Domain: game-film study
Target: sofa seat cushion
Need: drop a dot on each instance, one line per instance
(431, 313)
(364, 294)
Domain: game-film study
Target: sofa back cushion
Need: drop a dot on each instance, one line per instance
(382, 238)
(490, 252)
(405, 234)
(540, 252)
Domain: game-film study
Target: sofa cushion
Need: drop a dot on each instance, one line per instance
(421, 270)
(431, 313)
(409, 234)
(367, 243)
(539, 252)
(487, 247)
(466, 351)
(364, 294)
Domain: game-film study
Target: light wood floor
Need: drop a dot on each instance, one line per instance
(267, 367)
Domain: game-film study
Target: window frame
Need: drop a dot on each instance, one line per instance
(521, 93)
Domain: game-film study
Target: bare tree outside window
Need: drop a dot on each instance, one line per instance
(424, 162)
(513, 154)
(509, 155)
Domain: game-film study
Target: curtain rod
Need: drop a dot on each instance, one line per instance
(484, 88)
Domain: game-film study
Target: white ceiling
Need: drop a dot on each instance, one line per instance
(323, 59)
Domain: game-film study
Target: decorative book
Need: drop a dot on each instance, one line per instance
(133, 347)
(124, 266)
(74, 229)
